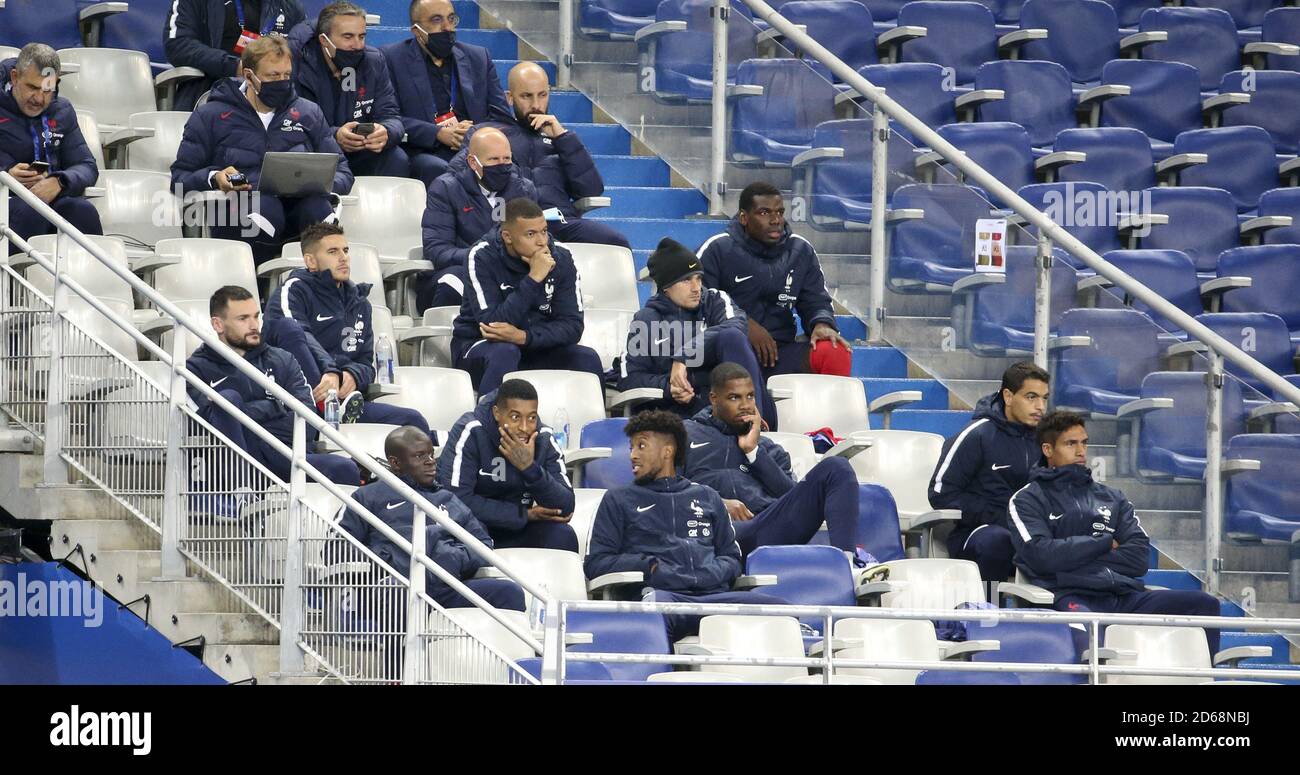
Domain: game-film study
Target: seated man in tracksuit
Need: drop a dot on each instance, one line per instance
(678, 533)
(523, 309)
(1081, 540)
(770, 272)
(212, 34)
(752, 474)
(444, 87)
(507, 467)
(464, 205)
(410, 456)
(231, 135)
(324, 320)
(985, 463)
(41, 145)
(238, 323)
(682, 332)
(349, 81)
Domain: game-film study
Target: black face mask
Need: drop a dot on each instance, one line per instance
(277, 94)
(497, 177)
(440, 43)
(351, 59)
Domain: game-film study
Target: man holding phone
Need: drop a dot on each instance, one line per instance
(41, 145)
(349, 81)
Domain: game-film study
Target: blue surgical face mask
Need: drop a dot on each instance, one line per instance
(276, 95)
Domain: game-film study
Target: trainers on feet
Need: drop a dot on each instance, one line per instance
(352, 407)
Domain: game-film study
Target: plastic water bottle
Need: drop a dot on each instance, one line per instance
(384, 361)
(561, 429)
(332, 409)
(537, 611)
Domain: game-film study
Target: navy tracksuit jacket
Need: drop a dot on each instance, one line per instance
(680, 524)
(335, 322)
(561, 168)
(769, 283)
(457, 214)
(269, 412)
(715, 459)
(662, 332)
(54, 135)
(193, 30)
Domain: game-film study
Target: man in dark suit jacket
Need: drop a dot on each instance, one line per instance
(443, 87)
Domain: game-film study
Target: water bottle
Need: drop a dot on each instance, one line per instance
(332, 409)
(384, 361)
(537, 611)
(561, 429)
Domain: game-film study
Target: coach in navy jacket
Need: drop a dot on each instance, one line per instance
(985, 463)
(1082, 540)
(351, 86)
(771, 273)
(466, 84)
(236, 128)
(676, 532)
(514, 482)
(205, 34)
(523, 309)
(682, 332)
(464, 205)
(38, 125)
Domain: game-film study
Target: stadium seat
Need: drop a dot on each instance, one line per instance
(96, 278)
(576, 673)
(195, 268)
(839, 25)
(614, 19)
(111, 83)
(776, 122)
(608, 276)
(901, 462)
(1264, 505)
(1205, 38)
(993, 313)
(1281, 25)
(806, 575)
(1202, 222)
(8, 52)
(930, 584)
(1036, 95)
(678, 47)
(1005, 12)
(966, 678)
(53, 22)
(1156, 647)
(1281, 203)
(1129, 11)
(605, 331)
(1117, 158)
(1167, 439)
(386, 213)
(757, 637)
(1084, 209)
(960, 35)
(139, 207)
(586, 501)
(369, 437)
(614, 471)
(576, 394)
(1238, 159)
(1274, 104)
(1162, 99)
(835, 174)
(1244, 13)
(149, 141)
(932, 243)
(553, 570)
(878, 528)
(1100, 358)
(1000, 147)
(1274, 283)
(893, 640)
(90, 375)
(810, 402)
(925, 89)
(1169, 273)
(1028, 642)
(1263, 335)
(440, 395)
(195, 310)
(452, 651)
(803, 455)
(1082, 35)
(884, 13)
(89, 127)
(431, 339)
(365, 268)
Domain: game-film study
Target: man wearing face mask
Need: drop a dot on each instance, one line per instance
(231, 134)
(444, 87)
(349, 81)
(463, 205)
(39, 128)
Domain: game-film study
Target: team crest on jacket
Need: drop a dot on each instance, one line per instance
(1104, 512)
(786, 299)
(549, 288)
(700, 525)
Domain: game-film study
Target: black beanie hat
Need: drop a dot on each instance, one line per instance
(672, 262)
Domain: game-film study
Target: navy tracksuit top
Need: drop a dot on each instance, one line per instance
(714, 459)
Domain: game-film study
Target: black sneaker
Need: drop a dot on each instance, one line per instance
(352, 407)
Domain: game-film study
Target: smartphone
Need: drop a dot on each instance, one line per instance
(39, 166)
(238, 179)
(364, 129)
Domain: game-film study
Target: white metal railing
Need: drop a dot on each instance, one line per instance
(212, 503)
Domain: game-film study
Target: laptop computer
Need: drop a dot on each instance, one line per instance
(297, 174)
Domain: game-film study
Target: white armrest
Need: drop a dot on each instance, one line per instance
(1271, 410)
(854, 444)
(1224, 100)
(149, 263)
(1095, 281)
(1237, 465)
(1179, 161)
(1186, 348)
(176, 76)
(973, 282)
(975, 98)
(651, 31)
(891, 401)
(578, 638)
(373, 20)
(1065, 342)
(156, 326)
(1139, 39)
(815, 154)
(773, 34)
(589, 203)
(489, 572)
(324, 572)
(904, 214)
(586, 455)
(931, 519)
(1030, 593)
(278, 265)
(927, 159)
(1138, 221)
(873, 589)
(378, 389)
(1019, 37)
(420, 333)
(395, 269)
(1104, 92)
(1144, 405)
(848, 95)
(1256, 225)
(123, 137)
(898, 35)
(744, 90)
(1270, 47)
(743, 583)
(1104, 654)
(95, 192)
(1221, 284)
(950, 649)
(1289, 167)
(1059, 159)
(684, 647)
(1237, 653)
(100, 10)
(602, 585)
(629, 398)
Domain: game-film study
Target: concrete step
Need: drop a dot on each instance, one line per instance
(657, 202)
(632, 170)
(217, 627)
(239, 662)
(320, 679)
(96, 535)
(120, 571)
(876, 361)
(191, 595)
(1165, 525)
(604, 139)
(930, 343)
(1253, 560)
(645, 233)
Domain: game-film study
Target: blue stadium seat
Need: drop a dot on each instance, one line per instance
(1264, 504)
(1079, 208)
(1202, 223)
(777, 125)
(1129, 11)
(1171, 442)
(1274, 104)
(1118, 158)
(1037, 96)
(1005, 12)
(683, 59)
(884, 13)
(614, 19)
(574, 672)
(1275, 283)
(1107, 373)
(997, 319)
(918, 86)
(960, 35)
(878, 530)
(966, 678)
(622, 633)
(934, 251)
(838, 185)
(1082, 35)
(1285, 202)
(1281, 25)
(1028, 642)
(615, 470)
(806, 575)
(1244, 13)
(1164, 99)
(838, 25)
(52, 22)
(1000, 147)
(1240, 160)
(1261, 334)
(1204, 38)
(1169, 273)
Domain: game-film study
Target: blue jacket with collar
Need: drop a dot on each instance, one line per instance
(561, 168)
(681, 525)
(1063, 526)
(481, 98)
(192, 31)
(55, 133)
(398, 513)
(473, 468)
(227, 132)
(500, 290)
(335, 321)
(373, 98)
(260, 407)
(655, 338)
(714, 459)
(769, 282)
(457, 215)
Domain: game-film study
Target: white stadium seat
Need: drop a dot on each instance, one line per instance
(139, 207)
(440, 395)
(608, 276)
(200, 266)
(753, 636)
(886, 640)
(110, 82)
(432, 338)
(577, 393)
(89, 127)
(605, 331)
(557, 570)
(81, 266)
(150, 140)
(932, 584)
(586, 501)
(901, 462)
(803, 455)
(808, 402)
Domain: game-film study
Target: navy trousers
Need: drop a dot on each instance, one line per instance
(791, 358)
(29, 223)
(1185, 602)
(427, 166)
(989, 546)
(727, 346)
(487, 362)
(576, 229)
(500, 593)
(537, 535)
(288, 217)
(340, 470)
(681, 625)
(391, 162)
(828, 493)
